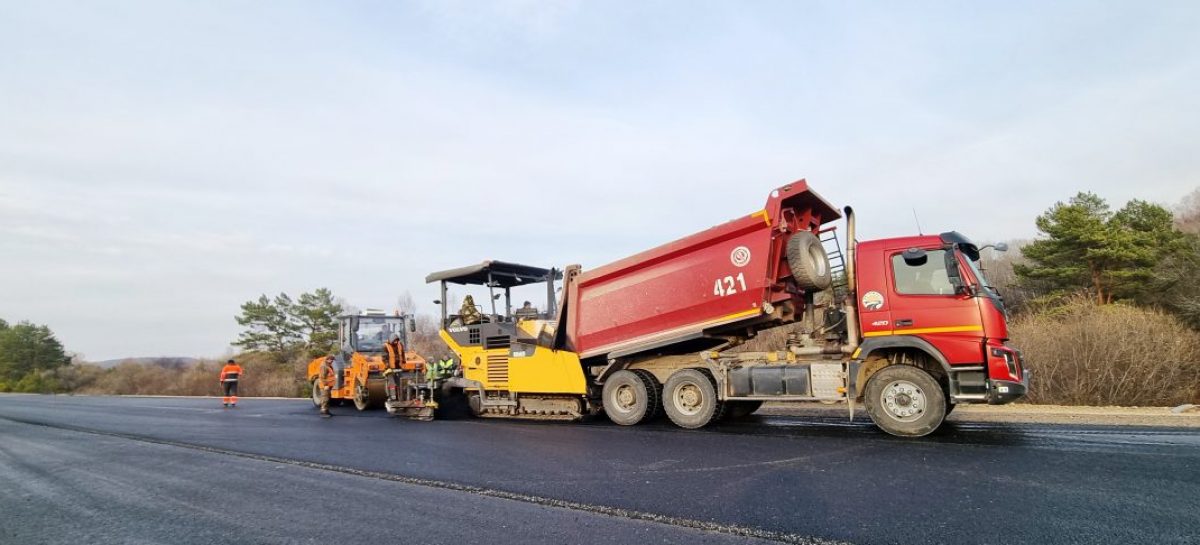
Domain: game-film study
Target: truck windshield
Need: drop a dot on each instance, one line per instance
(974, 264)
(373, 332)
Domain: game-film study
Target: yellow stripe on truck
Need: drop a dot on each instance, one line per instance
(921, 330)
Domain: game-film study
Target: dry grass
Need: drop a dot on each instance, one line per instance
(263, 378)
(1085, 354)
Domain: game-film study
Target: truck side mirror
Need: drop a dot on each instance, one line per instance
(412, 326)
(952, 273)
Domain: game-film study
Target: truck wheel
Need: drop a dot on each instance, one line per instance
(904, 400)
(740, 409)
(690, 398)
(655, 388)
(316, 392)
(808, 261)
(362, 397)
(627, 398)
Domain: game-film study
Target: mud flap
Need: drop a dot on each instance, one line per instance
(852, 385)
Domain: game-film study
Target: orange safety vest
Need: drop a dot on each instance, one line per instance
(395, 355)
(326, 375)
(231, 372)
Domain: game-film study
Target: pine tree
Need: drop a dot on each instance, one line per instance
(26, 348)
(270, 326)
(1087, 246)
(318, 313)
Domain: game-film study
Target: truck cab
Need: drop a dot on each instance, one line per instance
(927, 295)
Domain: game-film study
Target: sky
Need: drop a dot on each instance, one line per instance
(162, 162)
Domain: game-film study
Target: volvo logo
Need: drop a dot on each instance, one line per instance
(740, 256)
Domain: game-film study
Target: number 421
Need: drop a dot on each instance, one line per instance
(728, 285)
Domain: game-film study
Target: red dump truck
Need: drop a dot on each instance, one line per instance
(762, 308)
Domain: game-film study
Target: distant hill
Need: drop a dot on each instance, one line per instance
(161, 361)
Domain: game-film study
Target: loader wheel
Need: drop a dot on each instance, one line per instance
(740, 409)
(628, 398)
(905, 401)
(808, 261)
(316, 392)
(362, 397)
(690, 398)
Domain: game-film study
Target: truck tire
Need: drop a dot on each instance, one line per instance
(905, 401)
(808, 261)
(316, 392)
(628, 399)
(740, 409)
(654, 387)
(690, 398)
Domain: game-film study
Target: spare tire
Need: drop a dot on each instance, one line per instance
(808, 261)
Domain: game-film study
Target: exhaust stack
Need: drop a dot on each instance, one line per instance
(851, 305)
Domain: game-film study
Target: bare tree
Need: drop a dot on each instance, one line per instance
(1187, 213)
(406, 304)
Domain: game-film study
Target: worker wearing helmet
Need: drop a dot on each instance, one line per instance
(325, 380)
(229, 382)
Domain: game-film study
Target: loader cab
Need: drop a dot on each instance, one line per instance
(366, 333)
(486, 305)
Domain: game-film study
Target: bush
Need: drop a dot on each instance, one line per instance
(36, 382)
(264, 378)
(1082, 353)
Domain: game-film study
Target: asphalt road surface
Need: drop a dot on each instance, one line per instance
(185, 470)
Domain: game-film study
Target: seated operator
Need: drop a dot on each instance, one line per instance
(468, 312)
(526, 312)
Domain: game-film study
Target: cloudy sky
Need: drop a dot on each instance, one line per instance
(162, 162)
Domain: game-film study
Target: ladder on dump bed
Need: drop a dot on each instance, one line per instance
(837, 263)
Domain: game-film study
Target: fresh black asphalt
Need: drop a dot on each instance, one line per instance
(185, 470)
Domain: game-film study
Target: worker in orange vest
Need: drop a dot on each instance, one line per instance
(393, 363)
(229, 382)
(395, 353)
(326, 378)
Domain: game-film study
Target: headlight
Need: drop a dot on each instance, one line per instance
(1010, 359)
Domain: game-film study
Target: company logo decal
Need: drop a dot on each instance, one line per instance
(872, 300)
(740, 256)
